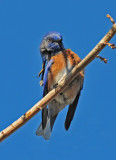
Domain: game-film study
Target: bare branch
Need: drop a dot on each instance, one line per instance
(61, 86)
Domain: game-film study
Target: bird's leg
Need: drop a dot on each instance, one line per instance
(55, 85)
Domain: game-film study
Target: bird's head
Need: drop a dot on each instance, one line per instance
(50, 45)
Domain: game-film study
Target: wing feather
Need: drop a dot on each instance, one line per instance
(71, 111)
(45, 91)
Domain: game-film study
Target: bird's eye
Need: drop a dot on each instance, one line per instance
(49, 39)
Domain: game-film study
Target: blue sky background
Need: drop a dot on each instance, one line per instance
(23, 23)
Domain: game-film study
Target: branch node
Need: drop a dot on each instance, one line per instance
(111, 19)
(110, 45)
(102, 59)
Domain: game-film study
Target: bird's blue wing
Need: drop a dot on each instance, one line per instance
(71, 111)
(45, 91)
(45, 80)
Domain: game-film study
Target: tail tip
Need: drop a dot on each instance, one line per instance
(46, 132)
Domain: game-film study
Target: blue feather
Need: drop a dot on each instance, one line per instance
(51, 44)
(53, 35)
(45, 80)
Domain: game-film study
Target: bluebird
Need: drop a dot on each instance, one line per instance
(60, 62)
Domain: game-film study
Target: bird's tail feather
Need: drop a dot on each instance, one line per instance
(46, 132)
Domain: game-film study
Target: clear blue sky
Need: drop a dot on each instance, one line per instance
(92, 134)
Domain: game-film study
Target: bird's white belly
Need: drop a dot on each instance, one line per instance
(66, 97)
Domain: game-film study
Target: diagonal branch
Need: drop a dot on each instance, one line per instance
(61, 86)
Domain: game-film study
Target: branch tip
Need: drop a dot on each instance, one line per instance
(102, 59)
(111, 19)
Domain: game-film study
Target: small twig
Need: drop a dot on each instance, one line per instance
(42, 70)
(102, 59)
(111, 19)
(110, 45)
(39, 74)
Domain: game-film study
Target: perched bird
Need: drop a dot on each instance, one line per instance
(60, 62)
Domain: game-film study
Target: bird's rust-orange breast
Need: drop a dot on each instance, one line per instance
(60, 61)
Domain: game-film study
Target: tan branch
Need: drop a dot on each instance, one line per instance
(61, 86)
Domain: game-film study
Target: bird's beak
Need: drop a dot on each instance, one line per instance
(61, 45)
